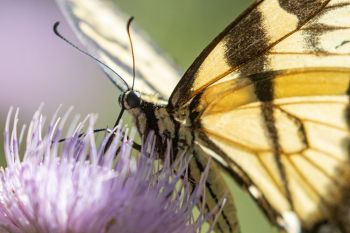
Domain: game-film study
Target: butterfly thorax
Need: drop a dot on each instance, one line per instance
(151, 114)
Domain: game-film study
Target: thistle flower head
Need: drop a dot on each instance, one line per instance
(76, 186)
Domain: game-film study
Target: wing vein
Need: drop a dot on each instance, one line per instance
(304, 181)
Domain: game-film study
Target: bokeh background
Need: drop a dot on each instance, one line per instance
(37, 67)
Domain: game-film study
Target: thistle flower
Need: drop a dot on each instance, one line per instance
(75, 186)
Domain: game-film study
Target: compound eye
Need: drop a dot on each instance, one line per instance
(132, 100)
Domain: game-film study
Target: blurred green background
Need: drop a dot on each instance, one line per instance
(37, 67)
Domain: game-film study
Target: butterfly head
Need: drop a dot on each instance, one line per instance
(130, 99)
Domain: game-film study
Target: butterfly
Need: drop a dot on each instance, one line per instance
(268, 99)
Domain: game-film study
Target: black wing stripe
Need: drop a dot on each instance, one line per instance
(268, 117)
(238, 174)
(119, 62)
(264, 91)
(310, 8)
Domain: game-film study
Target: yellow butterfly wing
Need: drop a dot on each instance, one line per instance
(101, 27)
(268, 100)
(312, 135)
(272, 35)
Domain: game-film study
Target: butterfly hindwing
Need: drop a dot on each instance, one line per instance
(216, 192)
(313, 137)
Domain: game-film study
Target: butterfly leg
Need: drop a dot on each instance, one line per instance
(83, 134)
(135, 145)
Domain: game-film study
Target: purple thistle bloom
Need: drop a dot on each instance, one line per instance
(75, 186)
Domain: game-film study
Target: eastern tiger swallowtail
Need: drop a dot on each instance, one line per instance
(268, 99)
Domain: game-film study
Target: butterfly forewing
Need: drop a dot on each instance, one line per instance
(101, 26)
(272, 35)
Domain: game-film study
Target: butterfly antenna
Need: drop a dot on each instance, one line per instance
(57, 33)
(132, 51)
